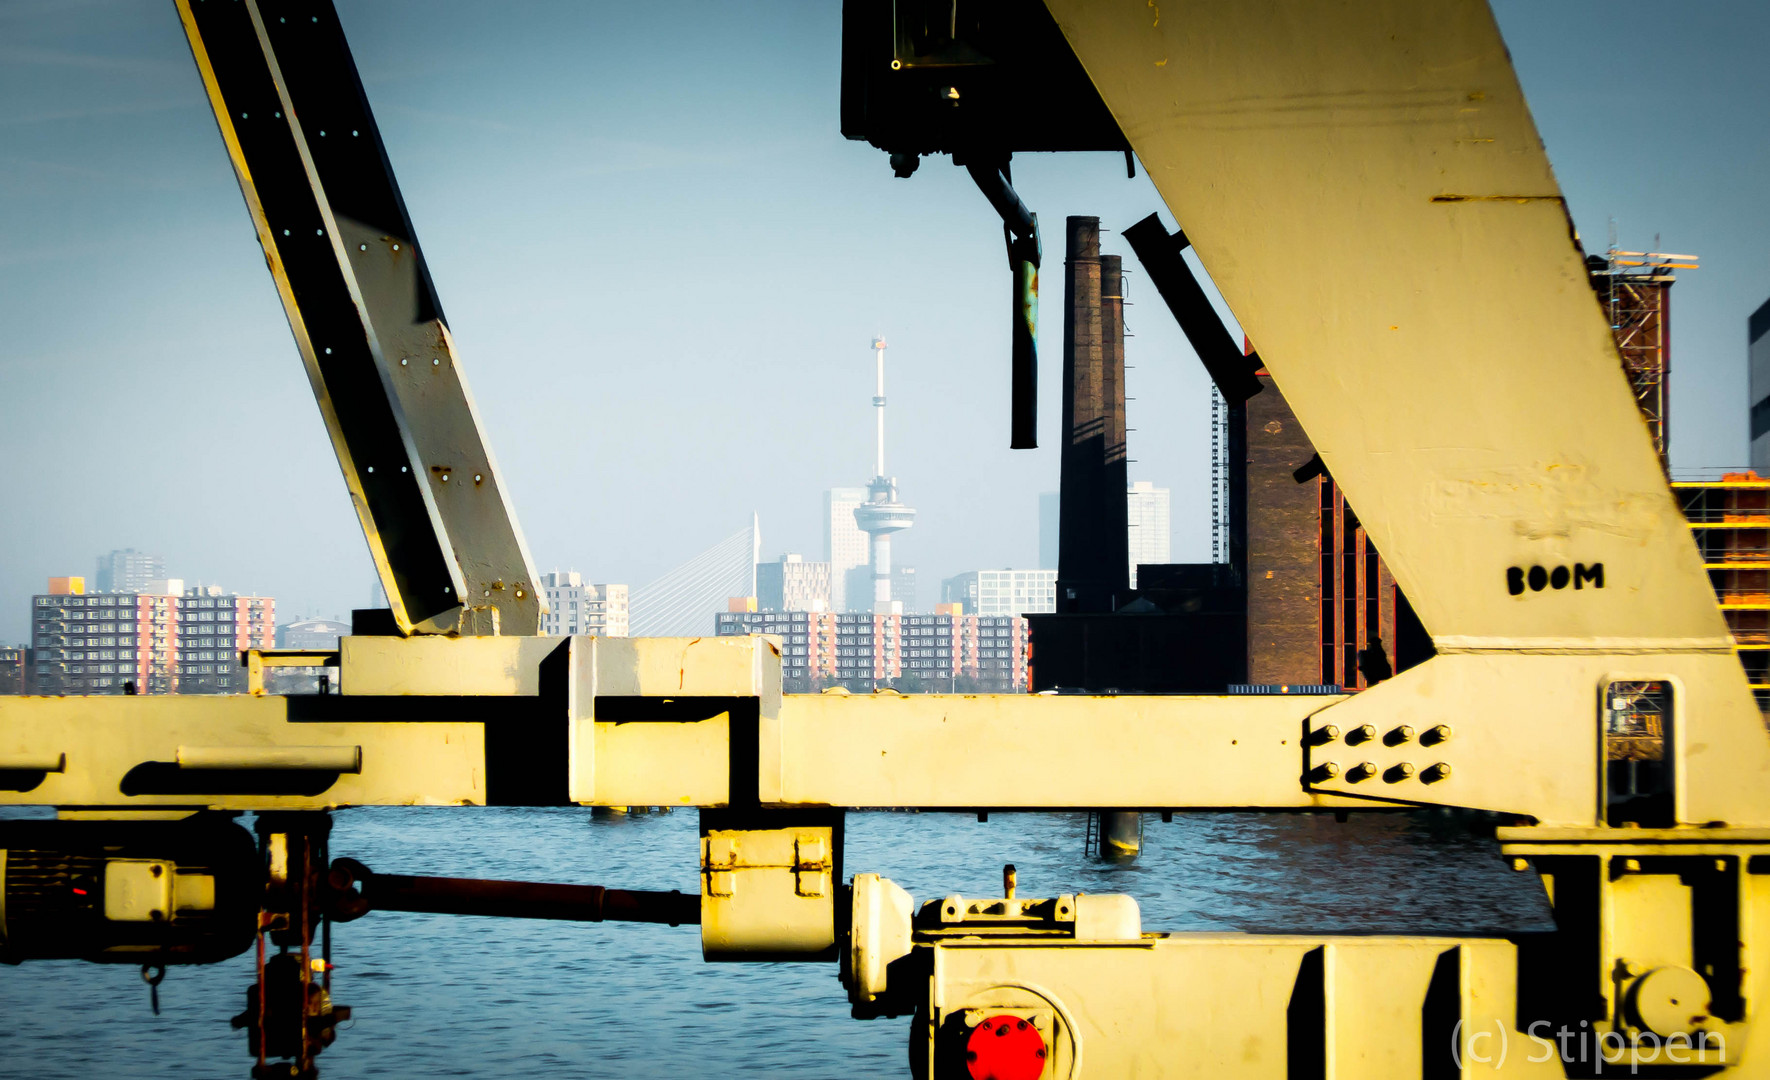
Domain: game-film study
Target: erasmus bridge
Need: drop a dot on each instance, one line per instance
(683, 601)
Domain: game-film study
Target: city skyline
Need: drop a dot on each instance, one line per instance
(499, 139)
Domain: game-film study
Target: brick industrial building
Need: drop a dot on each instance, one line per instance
(861, 652)
(1322, 607)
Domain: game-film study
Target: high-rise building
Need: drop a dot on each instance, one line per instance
(96, 644)
(792, 584)
(214, 628)
(128, 570)
(575, 606)
(1758, 339)
(161, 643)
(1147, 529)
(1002, 592)
(864, 651)
(845, 546)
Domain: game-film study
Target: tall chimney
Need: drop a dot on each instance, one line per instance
(1115, 477)
(1092, 552)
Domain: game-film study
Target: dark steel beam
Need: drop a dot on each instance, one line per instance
(1159, 252)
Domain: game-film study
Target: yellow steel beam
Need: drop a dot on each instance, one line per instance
(702, 722)
(227, 752)
(1006, 751)
(355, 287)
(1368, 190)
(1506, 755)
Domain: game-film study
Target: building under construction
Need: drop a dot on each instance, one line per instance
(1730, 519)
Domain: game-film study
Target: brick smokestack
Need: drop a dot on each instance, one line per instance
(1092, 552)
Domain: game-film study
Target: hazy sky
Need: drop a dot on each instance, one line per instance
(663, 265)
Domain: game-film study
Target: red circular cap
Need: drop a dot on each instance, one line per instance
(1005, 1048)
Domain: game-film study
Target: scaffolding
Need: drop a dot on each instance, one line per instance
(1730, 520)
(1220, 466)
(1635, 289)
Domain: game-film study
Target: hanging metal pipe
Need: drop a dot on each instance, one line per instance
(1023, 369)
(1020, 229)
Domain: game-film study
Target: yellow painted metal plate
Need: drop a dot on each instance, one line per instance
(1365, 185)
(646, 763)
(1015, 750)
(431, 665)
(124, 752)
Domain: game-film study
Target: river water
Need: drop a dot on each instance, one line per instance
(451, 996)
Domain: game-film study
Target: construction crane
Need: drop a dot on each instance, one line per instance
(1583, 683)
